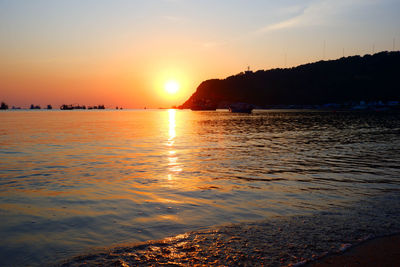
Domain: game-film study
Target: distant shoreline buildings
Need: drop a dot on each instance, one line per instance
(4, 106)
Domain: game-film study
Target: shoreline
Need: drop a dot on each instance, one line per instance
(380, 251)
(299, 240)
(237, 246)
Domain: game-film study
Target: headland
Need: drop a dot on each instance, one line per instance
(356, 82)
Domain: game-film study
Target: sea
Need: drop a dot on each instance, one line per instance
(76, 182)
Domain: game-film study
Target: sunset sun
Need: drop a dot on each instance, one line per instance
(171, 87)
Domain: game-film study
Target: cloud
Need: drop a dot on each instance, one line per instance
(318, 12)
(296, 21)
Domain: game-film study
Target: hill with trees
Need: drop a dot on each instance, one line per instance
(345, 80)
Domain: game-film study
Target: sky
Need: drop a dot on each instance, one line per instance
(122, 53)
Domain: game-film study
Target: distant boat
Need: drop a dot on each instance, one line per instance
(35, 106)
(67, 107)
(240, 108)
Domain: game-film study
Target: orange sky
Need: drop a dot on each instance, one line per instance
(122, 53)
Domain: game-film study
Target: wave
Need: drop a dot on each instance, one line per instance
(278, 241)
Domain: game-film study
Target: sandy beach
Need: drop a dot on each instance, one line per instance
(383, 251)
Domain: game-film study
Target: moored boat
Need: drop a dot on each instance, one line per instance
(241, 108)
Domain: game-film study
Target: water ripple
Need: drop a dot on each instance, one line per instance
(73, 180)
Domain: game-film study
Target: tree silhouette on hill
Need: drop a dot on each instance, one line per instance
(351, 79)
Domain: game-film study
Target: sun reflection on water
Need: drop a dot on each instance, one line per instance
(172, 126)
(173, 164)
(137, 175)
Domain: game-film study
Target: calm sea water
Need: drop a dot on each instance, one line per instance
(71, 181)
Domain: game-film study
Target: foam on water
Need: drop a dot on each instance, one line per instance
(277, 241)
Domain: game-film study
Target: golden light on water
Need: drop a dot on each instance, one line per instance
(172, 125)
(173, 164)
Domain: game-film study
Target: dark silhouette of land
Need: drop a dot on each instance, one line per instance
(3, 105)
(71, 107)
(343, 81)
(35, 107)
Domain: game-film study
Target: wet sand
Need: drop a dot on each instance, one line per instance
(384, 251)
